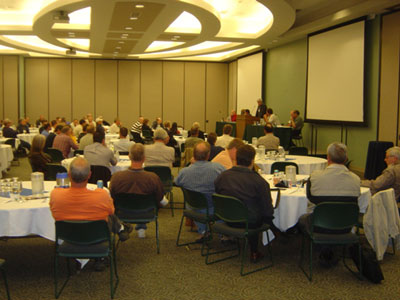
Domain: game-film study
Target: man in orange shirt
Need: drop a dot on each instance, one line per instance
(79, 203)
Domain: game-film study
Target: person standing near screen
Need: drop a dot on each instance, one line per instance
(261, 109)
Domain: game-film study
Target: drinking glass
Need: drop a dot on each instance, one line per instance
(16, 189)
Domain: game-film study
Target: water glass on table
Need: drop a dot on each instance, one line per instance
(15, 193)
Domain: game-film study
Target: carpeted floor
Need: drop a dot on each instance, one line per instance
(180, 272)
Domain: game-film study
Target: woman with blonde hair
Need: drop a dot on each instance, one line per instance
(37, 158)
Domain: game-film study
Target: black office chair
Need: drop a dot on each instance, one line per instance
(297, 138)
(55, 154)
(281, 166)
(123, 152)
(52, 170)
(76, 152)
(100, 173)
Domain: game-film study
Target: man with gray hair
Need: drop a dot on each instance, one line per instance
(390, 177)
(158, 154)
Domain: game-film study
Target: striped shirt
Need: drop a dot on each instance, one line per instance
(137, 127)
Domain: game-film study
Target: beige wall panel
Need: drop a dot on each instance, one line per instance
(389, 90)
(106, 88)
(82, 87)
(151, 89)
(60, 89)
(1, 90)
(216, 94)
(232, 81)
(195, 94)
(173, 89)
(10, 87)
(128, 92)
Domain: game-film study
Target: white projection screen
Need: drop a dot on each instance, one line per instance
(249, 82)
(335, 75)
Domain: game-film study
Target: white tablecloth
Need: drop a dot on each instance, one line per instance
(6, 156)
(27, 137)
(123, 163)
(34, 130)
(3, 140)
(110, 137)
(180, 139)
(307, 164)
(294, 203)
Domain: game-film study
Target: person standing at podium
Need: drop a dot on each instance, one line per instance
(261, 109)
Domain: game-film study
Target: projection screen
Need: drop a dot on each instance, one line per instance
(335, 75)
(249, 82)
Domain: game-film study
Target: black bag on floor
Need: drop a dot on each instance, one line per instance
(370, 265)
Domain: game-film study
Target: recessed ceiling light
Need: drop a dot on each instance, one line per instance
(117, 48)
(128, 28)
(116, 52)
(134, 16)
(139, 5)
(274, 41)
(124, 37)
(121, 42)
(125, 34)
(177, 36)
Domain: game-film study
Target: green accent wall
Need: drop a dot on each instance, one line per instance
(285, 89)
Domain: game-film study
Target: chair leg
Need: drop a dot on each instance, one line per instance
(58, 293)
(179, 233)
(157, 237)
(359, 274)
(309, 276)
(171, 202)
(5, 283)
(257, 269)
(218, 252)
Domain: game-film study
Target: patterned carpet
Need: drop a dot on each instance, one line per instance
(180, 272)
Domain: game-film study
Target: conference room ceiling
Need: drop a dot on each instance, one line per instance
(202, 30)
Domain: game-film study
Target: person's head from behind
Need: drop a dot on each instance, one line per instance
(145, 121)
(194, 132)
(79, 171)
(392, 155)
(53, 123)
(159, 121)
(98, 137)
(141, 119)
(337, 153)
(136, 153)
(160, 135)
(247, 112)
(212, 138)
(65, 129)
(167, 124)
(196, 125)
(90, 129)
(268, 128)
(259, 101)
(22, 122)
(233, 146)
(82, 122)
(201, 151)
(174, 126)
(47, 127)
(123, 132)
(227, 129)
(38, 143)
(58, 128)
(89, 118)
(84, 128)
(117, 121)
(245, 156)
(7, 122)
(269, 112)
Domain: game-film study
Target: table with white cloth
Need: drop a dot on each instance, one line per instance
(4, 139)
(123, 163)
(27, 137)
(180, 140)
(306, 164)
(6, 156)
(34, 130)
(32, 217)
(294, 203)
(110, 137)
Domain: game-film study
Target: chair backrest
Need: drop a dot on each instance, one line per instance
(76, 152)
(281, 165)
(298, 151)
(100, 173)
(182, 147)
(55, 154)
(163, 172)
(147, 133)
(123, 152)
(52, 170)
(128, 202)
(83, 232)
(11, 142)
(229, 209)
(194, 199)
(335, 215)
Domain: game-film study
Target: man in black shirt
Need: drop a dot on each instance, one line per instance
(8, 132)
(249, 187)
(52, 135)
(261, 109)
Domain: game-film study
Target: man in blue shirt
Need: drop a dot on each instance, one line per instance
(200, 177)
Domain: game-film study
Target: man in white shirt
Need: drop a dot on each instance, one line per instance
(269, 141)
(79, 128)
(115, 127)
(270, 117)
(158, 154)
(225, 139)
(123, 144)
(98, 154)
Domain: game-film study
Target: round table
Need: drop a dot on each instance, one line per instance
(27, 137)
(34, 130)
(4, 139)
(122, 164)
(110, 137)
(307, 164)
(6, 156)
(294, 203)
(180, 140)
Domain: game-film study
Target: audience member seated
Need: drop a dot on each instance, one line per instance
(296, 122)
(193, 139)
(232, 116)
(269, 141)
(271, 118)
(37, 158)
(87, 139)
(335, 183)
(200, 177)
(99, 125)
(227, 158)
(39, 121)
(64, 142)
(146, 127)
(73, 124)
(79, 128)
(41, 127)
(27, 121)
(137, 181)
(158, 154)
(98, 154)
(78, 203)
(261, 109)
(83, 133)
(224, 140)
(136, 130)
(214, 150)
(8, 132)
(201, 133)
(52, 135)
(250, 188)
(123, 143)
(157, 123)
(46, 130)
(89, 120)
(22, 126)
(390, 177)
(71, 135)
(115, 127)
(174, 129)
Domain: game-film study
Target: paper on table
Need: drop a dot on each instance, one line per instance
(264, 237)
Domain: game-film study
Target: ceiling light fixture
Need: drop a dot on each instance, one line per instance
(134, 16)
(121, 42)
(128, 28)
(118, 48)
(139, 5)
(70, 51)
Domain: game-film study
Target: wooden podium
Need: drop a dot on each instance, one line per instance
(241, 122)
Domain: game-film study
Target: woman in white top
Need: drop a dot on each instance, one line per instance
(269, 117)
